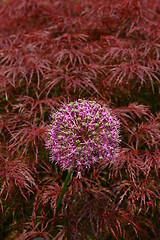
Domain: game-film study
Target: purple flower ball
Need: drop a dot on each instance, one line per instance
(82, 133)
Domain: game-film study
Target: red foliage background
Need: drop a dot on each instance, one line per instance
(56, 51)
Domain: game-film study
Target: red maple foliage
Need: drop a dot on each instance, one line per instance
(56, 51)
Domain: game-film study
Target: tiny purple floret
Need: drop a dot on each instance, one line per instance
(82, 133)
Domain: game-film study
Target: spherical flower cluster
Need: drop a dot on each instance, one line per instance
(82, 133)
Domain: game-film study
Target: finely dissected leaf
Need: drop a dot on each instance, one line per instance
(27, 135)
(15, 173)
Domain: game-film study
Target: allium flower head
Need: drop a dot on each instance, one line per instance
(82, 133)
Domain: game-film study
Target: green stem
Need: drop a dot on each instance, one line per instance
(63, 190)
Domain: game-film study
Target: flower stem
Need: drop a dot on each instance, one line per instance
(63, 190)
